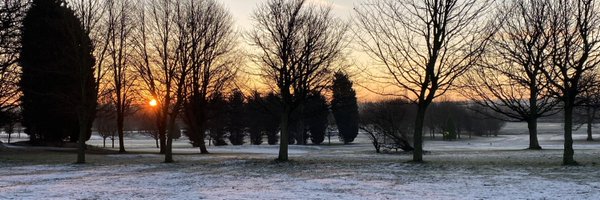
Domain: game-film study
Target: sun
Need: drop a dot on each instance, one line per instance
(153, 102)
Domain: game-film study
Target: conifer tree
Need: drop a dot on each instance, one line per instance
(57, 81)
(345, 107)
(59, 95)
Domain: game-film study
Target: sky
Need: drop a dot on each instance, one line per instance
(242, 9)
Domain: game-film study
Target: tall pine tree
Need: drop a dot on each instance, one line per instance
(344, 107)
(59, 96)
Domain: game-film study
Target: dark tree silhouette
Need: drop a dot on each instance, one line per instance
(588, 110)
(217, 119)
(120, 27)
(164, 61)
(575, 57)
(235, 118)
(316, 113)
(8, 121)
(387, 123)
(255, 114)
(423, 46)
(59, 92)
(11, 15)
(272, 118)
(106, 123)
(296, 44)
(345, 107)
(511, 81)
(213, 63)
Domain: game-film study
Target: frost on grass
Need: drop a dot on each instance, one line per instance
(480, 168)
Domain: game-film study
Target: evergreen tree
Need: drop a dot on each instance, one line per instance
(235, 117)
(217, 119)
(254, 115)
(316, 113)
(272, 118)
(345, 107)
(59, 96)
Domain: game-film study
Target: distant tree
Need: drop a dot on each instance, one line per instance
(482, 124)
(388, 123)
(262, 117)
(444, 111)
(316, 114)
(272, 118)
(450, 130)
(106, 123)
(345, 107)
(147, 125)
(588, 110)
(9, 120)
(235, 117)
(217, 119)
(11, 16)
(252, 111)
(59, 91)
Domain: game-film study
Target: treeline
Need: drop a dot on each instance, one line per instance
(522, 59)
(389, 123)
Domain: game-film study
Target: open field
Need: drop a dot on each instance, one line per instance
(477, 168)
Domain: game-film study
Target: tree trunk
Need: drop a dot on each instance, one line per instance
(103, 142)
(283, 141)
(589, 132)
(171, 134)
(533, 139)
(157, 146)
(418, 135)
(162, 137)
(590, 121)
(568, 148)
(203, 149)
(120, 119)
(81, 142)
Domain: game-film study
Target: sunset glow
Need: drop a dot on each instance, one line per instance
(153, 103)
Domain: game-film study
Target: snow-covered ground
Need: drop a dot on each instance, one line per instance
(477, 168)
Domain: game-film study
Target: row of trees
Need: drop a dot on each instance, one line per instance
(388, 123)
(521, 59)
(184, 54)
(11, 14)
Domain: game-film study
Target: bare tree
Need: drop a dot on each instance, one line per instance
(574, 47)
(297, 46)
(119, 25)
(423, 46)
(510, 80)
(91, 13)
(386, 123)
(11, 14)
(589, 108)
(105, 123)
(163, 49)
(213, 62)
